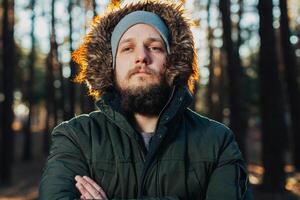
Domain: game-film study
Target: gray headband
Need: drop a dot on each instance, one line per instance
(138, 17)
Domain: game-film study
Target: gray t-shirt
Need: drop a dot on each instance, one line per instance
(147, 138)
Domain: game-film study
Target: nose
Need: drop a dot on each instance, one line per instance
(142, 56)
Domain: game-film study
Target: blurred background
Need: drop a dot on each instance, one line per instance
(249, 62)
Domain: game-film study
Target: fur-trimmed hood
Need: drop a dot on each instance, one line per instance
(94, 56)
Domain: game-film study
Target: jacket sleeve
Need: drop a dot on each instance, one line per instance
(229, 180)
(65, 161)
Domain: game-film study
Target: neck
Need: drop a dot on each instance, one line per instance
(146, 124)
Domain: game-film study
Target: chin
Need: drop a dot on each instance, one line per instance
(143, 84)
(139, 83)
(145, 81)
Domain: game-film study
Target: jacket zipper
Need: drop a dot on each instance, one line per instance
(147, 164)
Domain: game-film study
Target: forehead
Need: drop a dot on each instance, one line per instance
(141, 31)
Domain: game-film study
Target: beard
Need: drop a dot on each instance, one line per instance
(145, 100)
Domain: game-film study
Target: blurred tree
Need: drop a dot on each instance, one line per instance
(61, 108)
(52, 64)
(94, 7)
(86, 102)
(49, 103)
(272, 111)
(7, 137)
(1, 89)
(27, 152)
(72, 88)
(238, 121)
(291, 79)
(240, 13)
(214, 97)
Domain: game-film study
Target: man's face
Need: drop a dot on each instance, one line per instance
(140, 71)
(140, 58)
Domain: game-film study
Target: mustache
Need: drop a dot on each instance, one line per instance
(137, 69)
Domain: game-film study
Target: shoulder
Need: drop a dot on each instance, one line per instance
(207, 127)
(75, 135)
(210, 137)
(79, 125)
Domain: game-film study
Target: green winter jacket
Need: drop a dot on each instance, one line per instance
(190, 156)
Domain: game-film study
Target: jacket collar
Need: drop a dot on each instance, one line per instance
(110, 103)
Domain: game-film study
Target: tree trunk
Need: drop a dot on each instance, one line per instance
(86, 102)
(7, 137)
(27, 152)
(60, 106)
(72, 94)
(240, 13)
(238, 122)
(215, 96)
(291, 80)
(53, 59)
(51, 117)
(49, 99)
(95, 8)
(272, 111)
(210, 88)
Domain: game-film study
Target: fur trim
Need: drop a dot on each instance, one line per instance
(95, 58)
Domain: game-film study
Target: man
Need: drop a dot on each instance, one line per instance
(144, 143)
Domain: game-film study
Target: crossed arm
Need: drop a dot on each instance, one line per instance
(89, 189)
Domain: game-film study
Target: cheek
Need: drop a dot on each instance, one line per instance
(119, 75)
(123, 66)
(160, 68)
(160, 63)
(124, 59)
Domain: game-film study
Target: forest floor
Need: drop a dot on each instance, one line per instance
(26, 176)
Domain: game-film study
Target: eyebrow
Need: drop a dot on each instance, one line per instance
(151, 39)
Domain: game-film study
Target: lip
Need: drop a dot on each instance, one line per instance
(141, 73)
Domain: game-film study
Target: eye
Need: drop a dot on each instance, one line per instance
(126, 49)
(156, 48)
